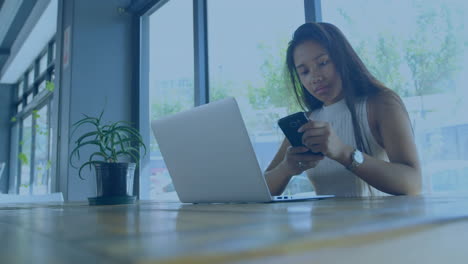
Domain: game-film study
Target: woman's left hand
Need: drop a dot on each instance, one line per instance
(320, 137)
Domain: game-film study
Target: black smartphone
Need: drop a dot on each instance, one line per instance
(290, 124)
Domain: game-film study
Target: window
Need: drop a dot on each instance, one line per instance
(42, 63)
(52, 53)
(246, 61)
(41, 151)
(30, 78)
(41, 86)
(418, 49)
(421, 53)
(19, 105)
(171, 76)
(246, 58)
(29, 98)
(33, 119)
(25, 155)
(20, 90)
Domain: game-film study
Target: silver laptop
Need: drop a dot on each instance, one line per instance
(210, 158)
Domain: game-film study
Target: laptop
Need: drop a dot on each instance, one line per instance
(210, 158)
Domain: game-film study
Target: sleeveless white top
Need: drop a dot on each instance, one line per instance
(329, 176)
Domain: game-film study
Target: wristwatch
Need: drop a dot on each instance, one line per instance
(357, 158)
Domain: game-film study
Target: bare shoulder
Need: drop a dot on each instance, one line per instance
(387, 115)
(394, 126)
(386, 104)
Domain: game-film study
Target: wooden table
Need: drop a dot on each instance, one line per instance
(353, 230)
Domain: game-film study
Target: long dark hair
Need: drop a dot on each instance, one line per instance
(357, 81)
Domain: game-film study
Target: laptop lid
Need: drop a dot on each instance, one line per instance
(209, 156)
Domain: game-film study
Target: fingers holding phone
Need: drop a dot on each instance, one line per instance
(290, 126)
(299, 159)
(320, 137)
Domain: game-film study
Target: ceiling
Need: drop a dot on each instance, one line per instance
(26, 26)
(13, 15)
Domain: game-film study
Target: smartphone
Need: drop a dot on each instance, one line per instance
(290, 124)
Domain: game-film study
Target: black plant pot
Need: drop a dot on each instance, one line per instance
(114, 182)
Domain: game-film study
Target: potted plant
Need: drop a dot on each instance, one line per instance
(114, 154)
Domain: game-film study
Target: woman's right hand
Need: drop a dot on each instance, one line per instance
(297, 160)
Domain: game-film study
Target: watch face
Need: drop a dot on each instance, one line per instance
(358, 156)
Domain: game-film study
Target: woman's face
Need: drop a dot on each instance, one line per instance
(317, 72)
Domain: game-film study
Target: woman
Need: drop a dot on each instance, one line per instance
(361, 127)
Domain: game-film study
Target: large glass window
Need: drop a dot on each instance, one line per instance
(25, 155)
(41, 154)
(33, 118)
(42, 63)
(246, 61)
(29, 98)
(20, 90)
(19, 106)
(171, 77)
(30, 78)
(419, 49)
(41, 86)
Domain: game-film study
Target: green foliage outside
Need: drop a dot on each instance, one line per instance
(421, 64)
(429, 57)
(219, 90)
(165, 108)
(35, 114)
(276, 91)
(50, 86)
(23, 158)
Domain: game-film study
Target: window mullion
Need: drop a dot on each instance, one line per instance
(200, 32)
(313, 10)
(33, 152)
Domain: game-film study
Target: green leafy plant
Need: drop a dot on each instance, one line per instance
(50, 86)
(23, 158)
(112, 142)
(36, 114)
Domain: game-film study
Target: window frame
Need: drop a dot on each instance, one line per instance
(312, 9)
(39, 100)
